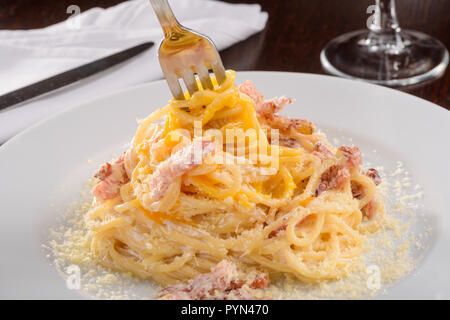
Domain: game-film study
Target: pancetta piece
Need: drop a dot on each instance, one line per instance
(178, 164)
(351, 157)
(374, 175)
(334, 177)
(267, 109)
(370, 210)
(322, 151)
(250, 90)
(112, 176)
(221, 283)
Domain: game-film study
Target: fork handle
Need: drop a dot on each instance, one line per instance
(166, 17)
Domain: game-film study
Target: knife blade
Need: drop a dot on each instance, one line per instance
(12, 99)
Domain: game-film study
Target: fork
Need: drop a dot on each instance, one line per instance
(185, 54)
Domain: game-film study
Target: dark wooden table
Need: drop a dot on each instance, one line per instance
(296, 32)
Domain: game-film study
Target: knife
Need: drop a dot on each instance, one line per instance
(11, 99)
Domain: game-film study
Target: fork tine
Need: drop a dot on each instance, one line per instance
(219, 71)
(189, 81)
(174, 86)
(197, 56)
(203, 74)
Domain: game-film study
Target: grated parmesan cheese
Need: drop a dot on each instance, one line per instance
(393, 250)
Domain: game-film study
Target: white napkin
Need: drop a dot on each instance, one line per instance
(27, 56)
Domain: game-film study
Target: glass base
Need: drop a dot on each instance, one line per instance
(403, 59)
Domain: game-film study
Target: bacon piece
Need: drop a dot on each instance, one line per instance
(250, 90)
(221, 283)
(289, 142)
(267, 114)
(176, 165)
(275, 105)
(266, 110)
(220, 278)
(333, 178)
(112, 177)
(271, 106)
(370, 209)
(374, 175)
(261, 281)
(351, 156)
(322, 151)
(104, 171)
(264, 107)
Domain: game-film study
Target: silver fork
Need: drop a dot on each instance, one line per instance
(185, 54)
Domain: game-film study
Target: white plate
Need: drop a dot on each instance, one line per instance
(45, 167)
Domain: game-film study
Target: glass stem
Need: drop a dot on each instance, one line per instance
(385, 22)
(385, 33)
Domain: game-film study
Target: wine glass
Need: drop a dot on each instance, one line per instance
(384, 53)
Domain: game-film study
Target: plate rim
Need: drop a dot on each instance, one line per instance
(64, 113)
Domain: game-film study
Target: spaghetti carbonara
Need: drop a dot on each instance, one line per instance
(220, 186)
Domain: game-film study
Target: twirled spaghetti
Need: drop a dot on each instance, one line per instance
(281, 201)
